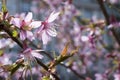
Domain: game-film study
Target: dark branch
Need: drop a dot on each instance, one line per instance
(100, 2)
(77, 74)
(47, 69)
(8, 31)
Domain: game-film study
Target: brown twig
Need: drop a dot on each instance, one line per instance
(8, 31)
(47, 69)
(77, 74)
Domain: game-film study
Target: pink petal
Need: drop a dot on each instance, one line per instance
(22, 15)
(26, 50)
(22, 35)
(45, 37)
(84, 38)
(36, 54)
(30, 35)
(40, 29)
(52, 32)
(29, 16)
(53, 16)
(35, 24)
(16, 22)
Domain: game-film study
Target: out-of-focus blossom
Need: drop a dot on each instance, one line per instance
(6, 42)
(5, 59)
(34, 7)
(113, 22)
(30, 54)
(90, 38)
(100, 77)
(46, 29)
(25, 24)
(84, 38)
(117, 77)
(114, 1)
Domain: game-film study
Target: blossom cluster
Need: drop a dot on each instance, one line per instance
(28, 47)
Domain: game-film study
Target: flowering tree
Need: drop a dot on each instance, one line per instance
(88, 48)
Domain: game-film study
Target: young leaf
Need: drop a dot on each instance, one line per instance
(7, 67)
(4, 8)
(14, 33)
(46, 78)
(74, 51)
(1, 52)
(64, 51)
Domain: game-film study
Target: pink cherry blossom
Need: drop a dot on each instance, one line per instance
(30, 54)
(46, 30)
(25, 24)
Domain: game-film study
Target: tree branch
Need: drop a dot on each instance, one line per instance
(8, 31)
(46, 68)
(77, 74)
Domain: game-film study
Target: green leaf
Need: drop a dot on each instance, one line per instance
(4, 8)
(16, 67)
(1, 52)
(7, 67)
(14, 33)
(64, 51)
(45, 78)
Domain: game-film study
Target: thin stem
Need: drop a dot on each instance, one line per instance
(100, 2)
(8, 31)
(30, 70)
(77, 74)
(47, 69)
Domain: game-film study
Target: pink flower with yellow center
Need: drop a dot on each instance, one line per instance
(25, 24)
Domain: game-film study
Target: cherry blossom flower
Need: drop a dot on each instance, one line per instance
(46, 30)
(28, 53)
(25, 24)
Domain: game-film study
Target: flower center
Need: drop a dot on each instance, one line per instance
(45, 24)
(25, 26)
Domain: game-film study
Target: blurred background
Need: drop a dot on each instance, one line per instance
(71, 25)
(87, 7)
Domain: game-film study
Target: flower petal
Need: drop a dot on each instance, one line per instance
(53, 16)
(39, 29)
(45, 37)
(30, 35)
(29, 16)
(22, 35)
(16, 22)
(36, 54)
(27, 50)
(35, 24)
(52, 32)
